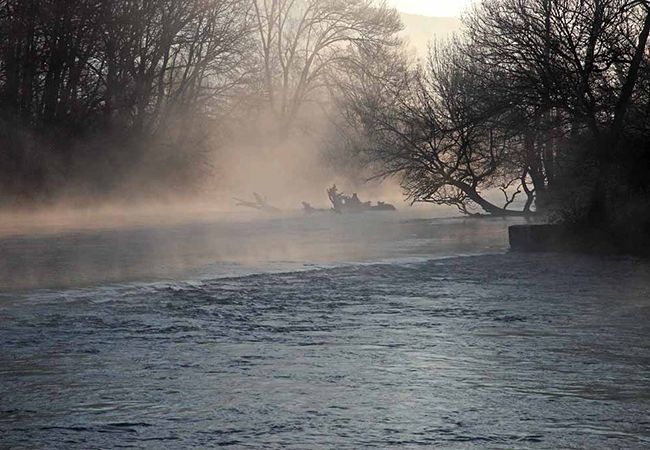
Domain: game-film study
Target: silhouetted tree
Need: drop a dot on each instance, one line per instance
(575, 67)
(428, 128)
(535, 97)
(136, 75)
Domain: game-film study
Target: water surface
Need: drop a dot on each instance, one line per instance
(353, 333)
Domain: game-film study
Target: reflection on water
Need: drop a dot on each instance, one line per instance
(485, 351)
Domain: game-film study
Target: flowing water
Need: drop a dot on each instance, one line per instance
(369, 331)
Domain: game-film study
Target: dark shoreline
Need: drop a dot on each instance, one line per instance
(574, 239)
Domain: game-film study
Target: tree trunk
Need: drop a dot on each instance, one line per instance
(535, 170)
(630, 82)
(487, 206)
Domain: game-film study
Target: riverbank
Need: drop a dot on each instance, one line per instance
(564, 238)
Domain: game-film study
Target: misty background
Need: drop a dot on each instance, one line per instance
(160, 284)
(116, 103)
(515, 109)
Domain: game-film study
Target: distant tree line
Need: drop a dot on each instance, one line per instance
(104, 95)
(545, 100)
(87, 85)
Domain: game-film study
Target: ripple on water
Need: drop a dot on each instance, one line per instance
(502, 351)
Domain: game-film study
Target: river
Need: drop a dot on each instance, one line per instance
(363, 331)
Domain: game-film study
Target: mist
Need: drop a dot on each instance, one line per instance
(178, 130)
(324, 224)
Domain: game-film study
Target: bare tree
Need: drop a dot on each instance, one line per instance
(427, 127)
(572, 67)
(510, 105)
(135, 75)
(301, 42)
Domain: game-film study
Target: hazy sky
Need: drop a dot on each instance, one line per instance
(431, 7)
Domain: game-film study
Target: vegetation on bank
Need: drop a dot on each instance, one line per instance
(105, 95)
(547, 101)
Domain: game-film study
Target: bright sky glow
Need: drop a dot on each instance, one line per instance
(435, 8)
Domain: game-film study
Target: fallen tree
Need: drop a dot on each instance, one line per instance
(260, 203)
